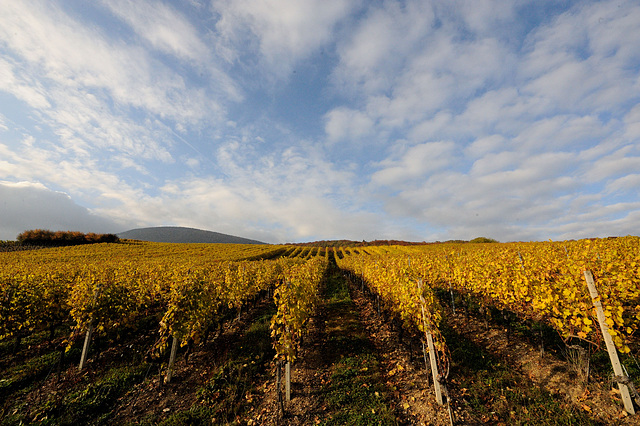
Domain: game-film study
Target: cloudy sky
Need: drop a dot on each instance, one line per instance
(297, 120)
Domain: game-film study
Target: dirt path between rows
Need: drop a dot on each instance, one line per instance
(404, 367)
(340, 334)
(346, 329)
(308, 375)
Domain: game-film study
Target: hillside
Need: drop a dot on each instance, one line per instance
(349, 318)
(178, 234)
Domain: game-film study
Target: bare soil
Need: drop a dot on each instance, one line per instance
(557, 376)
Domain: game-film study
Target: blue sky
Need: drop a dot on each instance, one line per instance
(296, 120)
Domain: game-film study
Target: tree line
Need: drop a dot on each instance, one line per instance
(45, 237)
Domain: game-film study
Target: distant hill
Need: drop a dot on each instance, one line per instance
(178, 234)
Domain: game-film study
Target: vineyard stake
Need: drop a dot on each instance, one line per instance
(172, 359)
(85, 347)
(611, 347)
(287, 367)
(87, 337)
(434, 369)
(453, 303)
(432, 349)
(287, 376)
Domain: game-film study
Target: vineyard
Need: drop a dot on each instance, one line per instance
(451, 333)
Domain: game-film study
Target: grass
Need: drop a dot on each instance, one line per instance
(195, 416)
(494, 393)
(84, 403)
(22, 375)
(93, 403)
(596, 367)
(355, 393)
(30, 394)
(93, 396)
(232, 387)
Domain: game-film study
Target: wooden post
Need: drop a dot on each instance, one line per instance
(87, 337)
(287, 366)
(453, 303)
(85, 347)
(611, 347)
(172, 359)
(287, 384)
(432, 349)
(434, 369)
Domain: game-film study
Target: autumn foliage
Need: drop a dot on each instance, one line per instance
(44, 237)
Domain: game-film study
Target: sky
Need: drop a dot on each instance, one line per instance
(301, 120)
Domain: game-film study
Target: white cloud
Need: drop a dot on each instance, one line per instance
(446, 120)
(484, 17)
(595, 219)
(586, 59)
(623, 161)
(347, 124)
(561, 132)
(418, 161)
(632, 122)
(31, 205)
(82, 177)
(486, 145)
(415, 72)
(526, 126)
(493, 162)
(162, 26)
(501, 192)
(28, 91)
(292, 195)
(100, 97)
(630, 182)
(73, 58)
(285, 31)
(3, 126)
(169, 31)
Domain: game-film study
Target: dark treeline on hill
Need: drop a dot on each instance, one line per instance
(350, 243)
(44, 237)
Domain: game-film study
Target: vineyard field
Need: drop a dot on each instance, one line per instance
(193, 333)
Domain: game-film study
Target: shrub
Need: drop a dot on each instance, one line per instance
(483, 240)
(44, 237)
